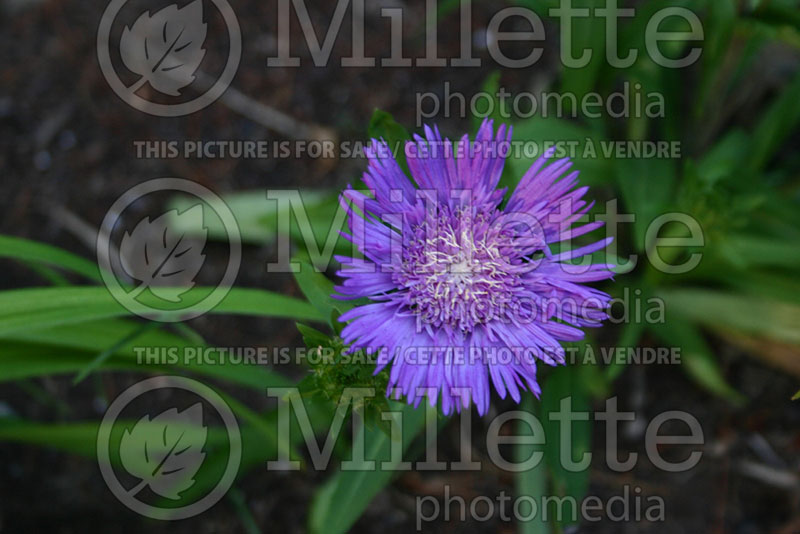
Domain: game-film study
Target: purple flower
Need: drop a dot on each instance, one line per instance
(463, 291)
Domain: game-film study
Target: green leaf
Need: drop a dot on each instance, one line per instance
(81, 439)
(23, 360)
(782, 14)
(50, 274)
(565, 383)
(696, 358)
(749, 251)
(762, 284)
(69, 348)
(30, 309)
(588, 33)
(490, 87)
(631, 333)
(103, 356)
(796, 396)
(718, 29)
(312, 337)
(531, 483)
(31, 251)
(257, 216)
(647, 188)
(239, 501)
(344, 497)
(76, 438)
(383, 126)
(317, 288)
(775, 125)
(725, 158)
(539, 133)
(763, 317)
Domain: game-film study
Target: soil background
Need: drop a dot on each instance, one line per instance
(67, 152)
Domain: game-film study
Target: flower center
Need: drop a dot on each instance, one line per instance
(456, 270)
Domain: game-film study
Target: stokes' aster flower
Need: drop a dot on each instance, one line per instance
(463, 291)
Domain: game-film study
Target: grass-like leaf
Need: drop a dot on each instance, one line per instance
(69, 348)
(767, 318)
(31, 251)
(383, 126)
(31, 309)
(344, 497)
(696, 357)
(531, 483)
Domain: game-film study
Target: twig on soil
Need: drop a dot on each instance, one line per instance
(82, 230)
(771, 476)
(52, 125)
(272, 118)
(73, 224)
(254, 110)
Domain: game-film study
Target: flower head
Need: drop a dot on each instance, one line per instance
(462, 291)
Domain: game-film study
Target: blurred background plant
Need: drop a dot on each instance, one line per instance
(735, 114)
